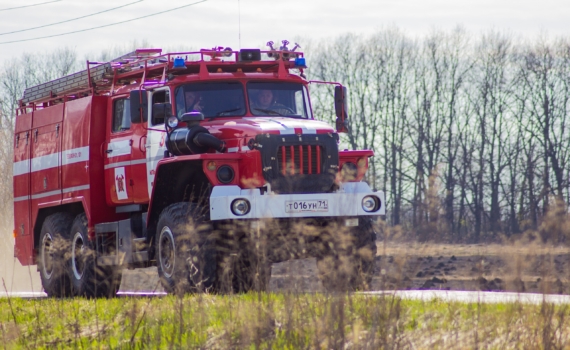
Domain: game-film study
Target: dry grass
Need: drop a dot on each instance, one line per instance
(282, 320)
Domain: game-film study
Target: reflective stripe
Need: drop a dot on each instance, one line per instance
(52, 193)
(287, 126)
(21, 167)
(119, 148)
(74, 155)
(22, 198)
(46, 162)
(76, 188)
(155, 158)
(46, 194)
(125, 163)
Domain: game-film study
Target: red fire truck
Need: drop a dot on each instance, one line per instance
(209, 165)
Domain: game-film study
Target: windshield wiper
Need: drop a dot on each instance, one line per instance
(228, 111)
(268, 111)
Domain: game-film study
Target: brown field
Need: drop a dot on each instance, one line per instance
(495, 267)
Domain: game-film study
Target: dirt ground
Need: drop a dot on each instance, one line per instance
(509, 267)
(513, 267)
(520, 268)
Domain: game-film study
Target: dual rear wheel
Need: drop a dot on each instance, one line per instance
(67, 260)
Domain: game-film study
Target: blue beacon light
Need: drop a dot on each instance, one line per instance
(179, 63)
(300, 62)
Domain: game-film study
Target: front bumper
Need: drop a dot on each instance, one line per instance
(347, 201)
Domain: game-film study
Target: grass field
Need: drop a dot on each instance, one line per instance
(298, 314)
(279, 320)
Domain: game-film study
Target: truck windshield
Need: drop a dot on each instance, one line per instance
(212, 99)
(278, 99)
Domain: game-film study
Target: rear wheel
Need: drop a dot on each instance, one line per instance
(88, 279)
(186, 258)
(53, 246)
(348, 261)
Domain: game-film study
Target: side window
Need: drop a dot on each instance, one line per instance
(162, 96)
(299, 107)
(121, 115)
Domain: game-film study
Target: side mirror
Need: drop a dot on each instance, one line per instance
(341, 108)
(192, 118)
(139, 106)
(161, 112)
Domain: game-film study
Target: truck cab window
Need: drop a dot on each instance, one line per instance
(121, 115)
(212, 99)
(278, 99)
(162, 96)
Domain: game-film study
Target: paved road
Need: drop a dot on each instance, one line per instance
(426, 295)
(476, 297)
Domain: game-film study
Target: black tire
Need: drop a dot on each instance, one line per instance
(52, 248)
(185, 249)
(243, 267)
(348, 261)
(87, 279)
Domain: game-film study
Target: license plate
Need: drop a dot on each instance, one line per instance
(306, 206)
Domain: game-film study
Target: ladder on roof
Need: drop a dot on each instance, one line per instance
(99, 76)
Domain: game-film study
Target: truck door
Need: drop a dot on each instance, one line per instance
(155, 142)
(45, 148)
(119, 145)
(21, 172)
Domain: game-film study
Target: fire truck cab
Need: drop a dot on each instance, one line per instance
(208, 164)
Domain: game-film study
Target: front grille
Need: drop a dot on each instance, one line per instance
(299, 163)
(301, 159)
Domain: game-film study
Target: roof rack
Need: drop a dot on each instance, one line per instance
(151, 67)
(83, 80)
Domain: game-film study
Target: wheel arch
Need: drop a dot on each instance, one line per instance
(183, 181)
(74, 209)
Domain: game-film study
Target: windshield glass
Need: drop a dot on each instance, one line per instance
(278, 99)
(212, 99)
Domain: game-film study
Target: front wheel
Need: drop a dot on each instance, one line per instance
(186, 258)
(88, 279)
(348, 261)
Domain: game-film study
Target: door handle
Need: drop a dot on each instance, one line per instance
(142, 144)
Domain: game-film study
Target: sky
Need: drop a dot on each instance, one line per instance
(251, 23)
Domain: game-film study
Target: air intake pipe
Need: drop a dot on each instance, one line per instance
(193, 140)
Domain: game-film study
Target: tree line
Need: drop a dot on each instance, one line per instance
(470, 133)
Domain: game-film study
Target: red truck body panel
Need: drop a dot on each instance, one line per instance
(58, 160)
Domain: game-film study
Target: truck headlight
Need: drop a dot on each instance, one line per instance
(240, 206)
(172, 122)
(370, 204)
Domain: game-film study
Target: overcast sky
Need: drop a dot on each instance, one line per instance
(216, 22)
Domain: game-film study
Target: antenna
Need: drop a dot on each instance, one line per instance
(239, 24)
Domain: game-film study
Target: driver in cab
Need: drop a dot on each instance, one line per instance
(265, 103)
(192, 101)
